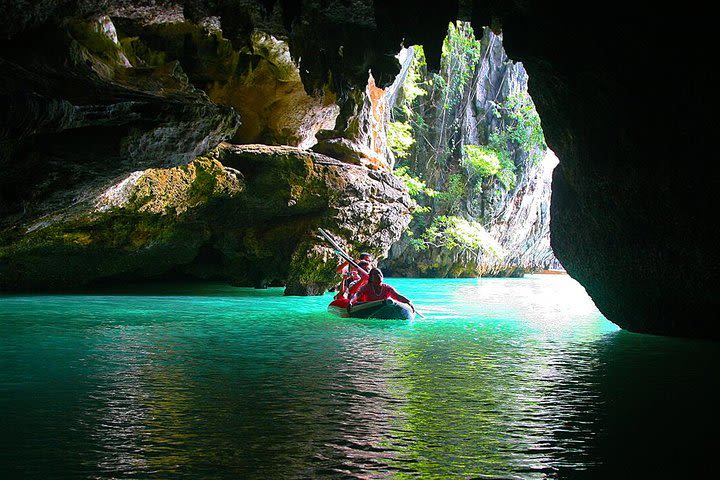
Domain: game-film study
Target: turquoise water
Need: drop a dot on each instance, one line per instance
(504, 378)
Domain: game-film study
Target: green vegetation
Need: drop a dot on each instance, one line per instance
(416, 188)
(429, 137)
(414, 84)
(400, 138)
(522, 123)
(414, 184)
(451, 198)
(521, 130)
(480, 161)
(460, 53)
(401, 132)
(456, 233)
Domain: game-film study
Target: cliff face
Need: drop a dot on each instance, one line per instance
(503, 205)
(108, 177)
(631, 212)
(518, 217)
(76, 116)
(244, 214)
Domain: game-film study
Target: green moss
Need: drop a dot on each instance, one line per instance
(203, 184)
(96, 42)
(140, 54)
(205, 55)
(311, 270)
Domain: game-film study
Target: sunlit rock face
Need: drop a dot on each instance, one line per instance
(519, 217)
(156, 84)
(360, 133)
(515, 219)
(243, 214)
(258, 77)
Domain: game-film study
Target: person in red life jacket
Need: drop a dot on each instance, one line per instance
(375, 289)
(353, 280)
(344, 267)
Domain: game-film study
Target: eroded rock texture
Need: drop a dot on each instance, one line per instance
(76, 116)
(510, 218)
(245, 214)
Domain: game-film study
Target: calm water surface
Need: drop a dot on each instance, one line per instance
(505, 378)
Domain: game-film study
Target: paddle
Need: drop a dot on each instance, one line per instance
(340, 251)
(347, 257)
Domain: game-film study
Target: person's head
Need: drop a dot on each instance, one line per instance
(376, 276)
(366, 256)
(364, 264)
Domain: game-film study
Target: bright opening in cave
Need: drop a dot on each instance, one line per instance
(468, 143)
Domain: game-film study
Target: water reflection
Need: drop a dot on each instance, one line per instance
(505, 379)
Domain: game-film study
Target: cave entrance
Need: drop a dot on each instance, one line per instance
(468, 142)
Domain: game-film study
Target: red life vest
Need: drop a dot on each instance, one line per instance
(367, 294)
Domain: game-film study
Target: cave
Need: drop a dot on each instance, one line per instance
(167, 166)
(618, 109)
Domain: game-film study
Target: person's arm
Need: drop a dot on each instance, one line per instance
(357, 285)
(402, 298)
(353, 299)
(342, 267)
(341, 290)
(358, 294)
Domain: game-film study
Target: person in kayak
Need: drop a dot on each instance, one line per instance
(353, 280)
(344, 267)
(375, 289)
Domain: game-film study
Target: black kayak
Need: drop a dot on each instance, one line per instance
(383, 309)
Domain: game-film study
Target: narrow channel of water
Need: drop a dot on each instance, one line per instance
(505, 378)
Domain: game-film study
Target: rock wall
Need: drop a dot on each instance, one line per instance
(244, 214)
(89, 113)
(518, 217)
(514, 219)
(76, 117)
(632, 203)
(257, 78)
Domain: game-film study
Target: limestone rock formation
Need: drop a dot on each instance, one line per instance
(632, 209)
(77, 116)
(244, 214)
(258, 78)
(511, 221)
(360, 132)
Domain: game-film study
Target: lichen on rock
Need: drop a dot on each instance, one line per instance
(243, 214)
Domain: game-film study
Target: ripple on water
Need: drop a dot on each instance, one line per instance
(505, 378)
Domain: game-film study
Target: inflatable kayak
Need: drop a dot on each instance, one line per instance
(339, 307)
(382, 309)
